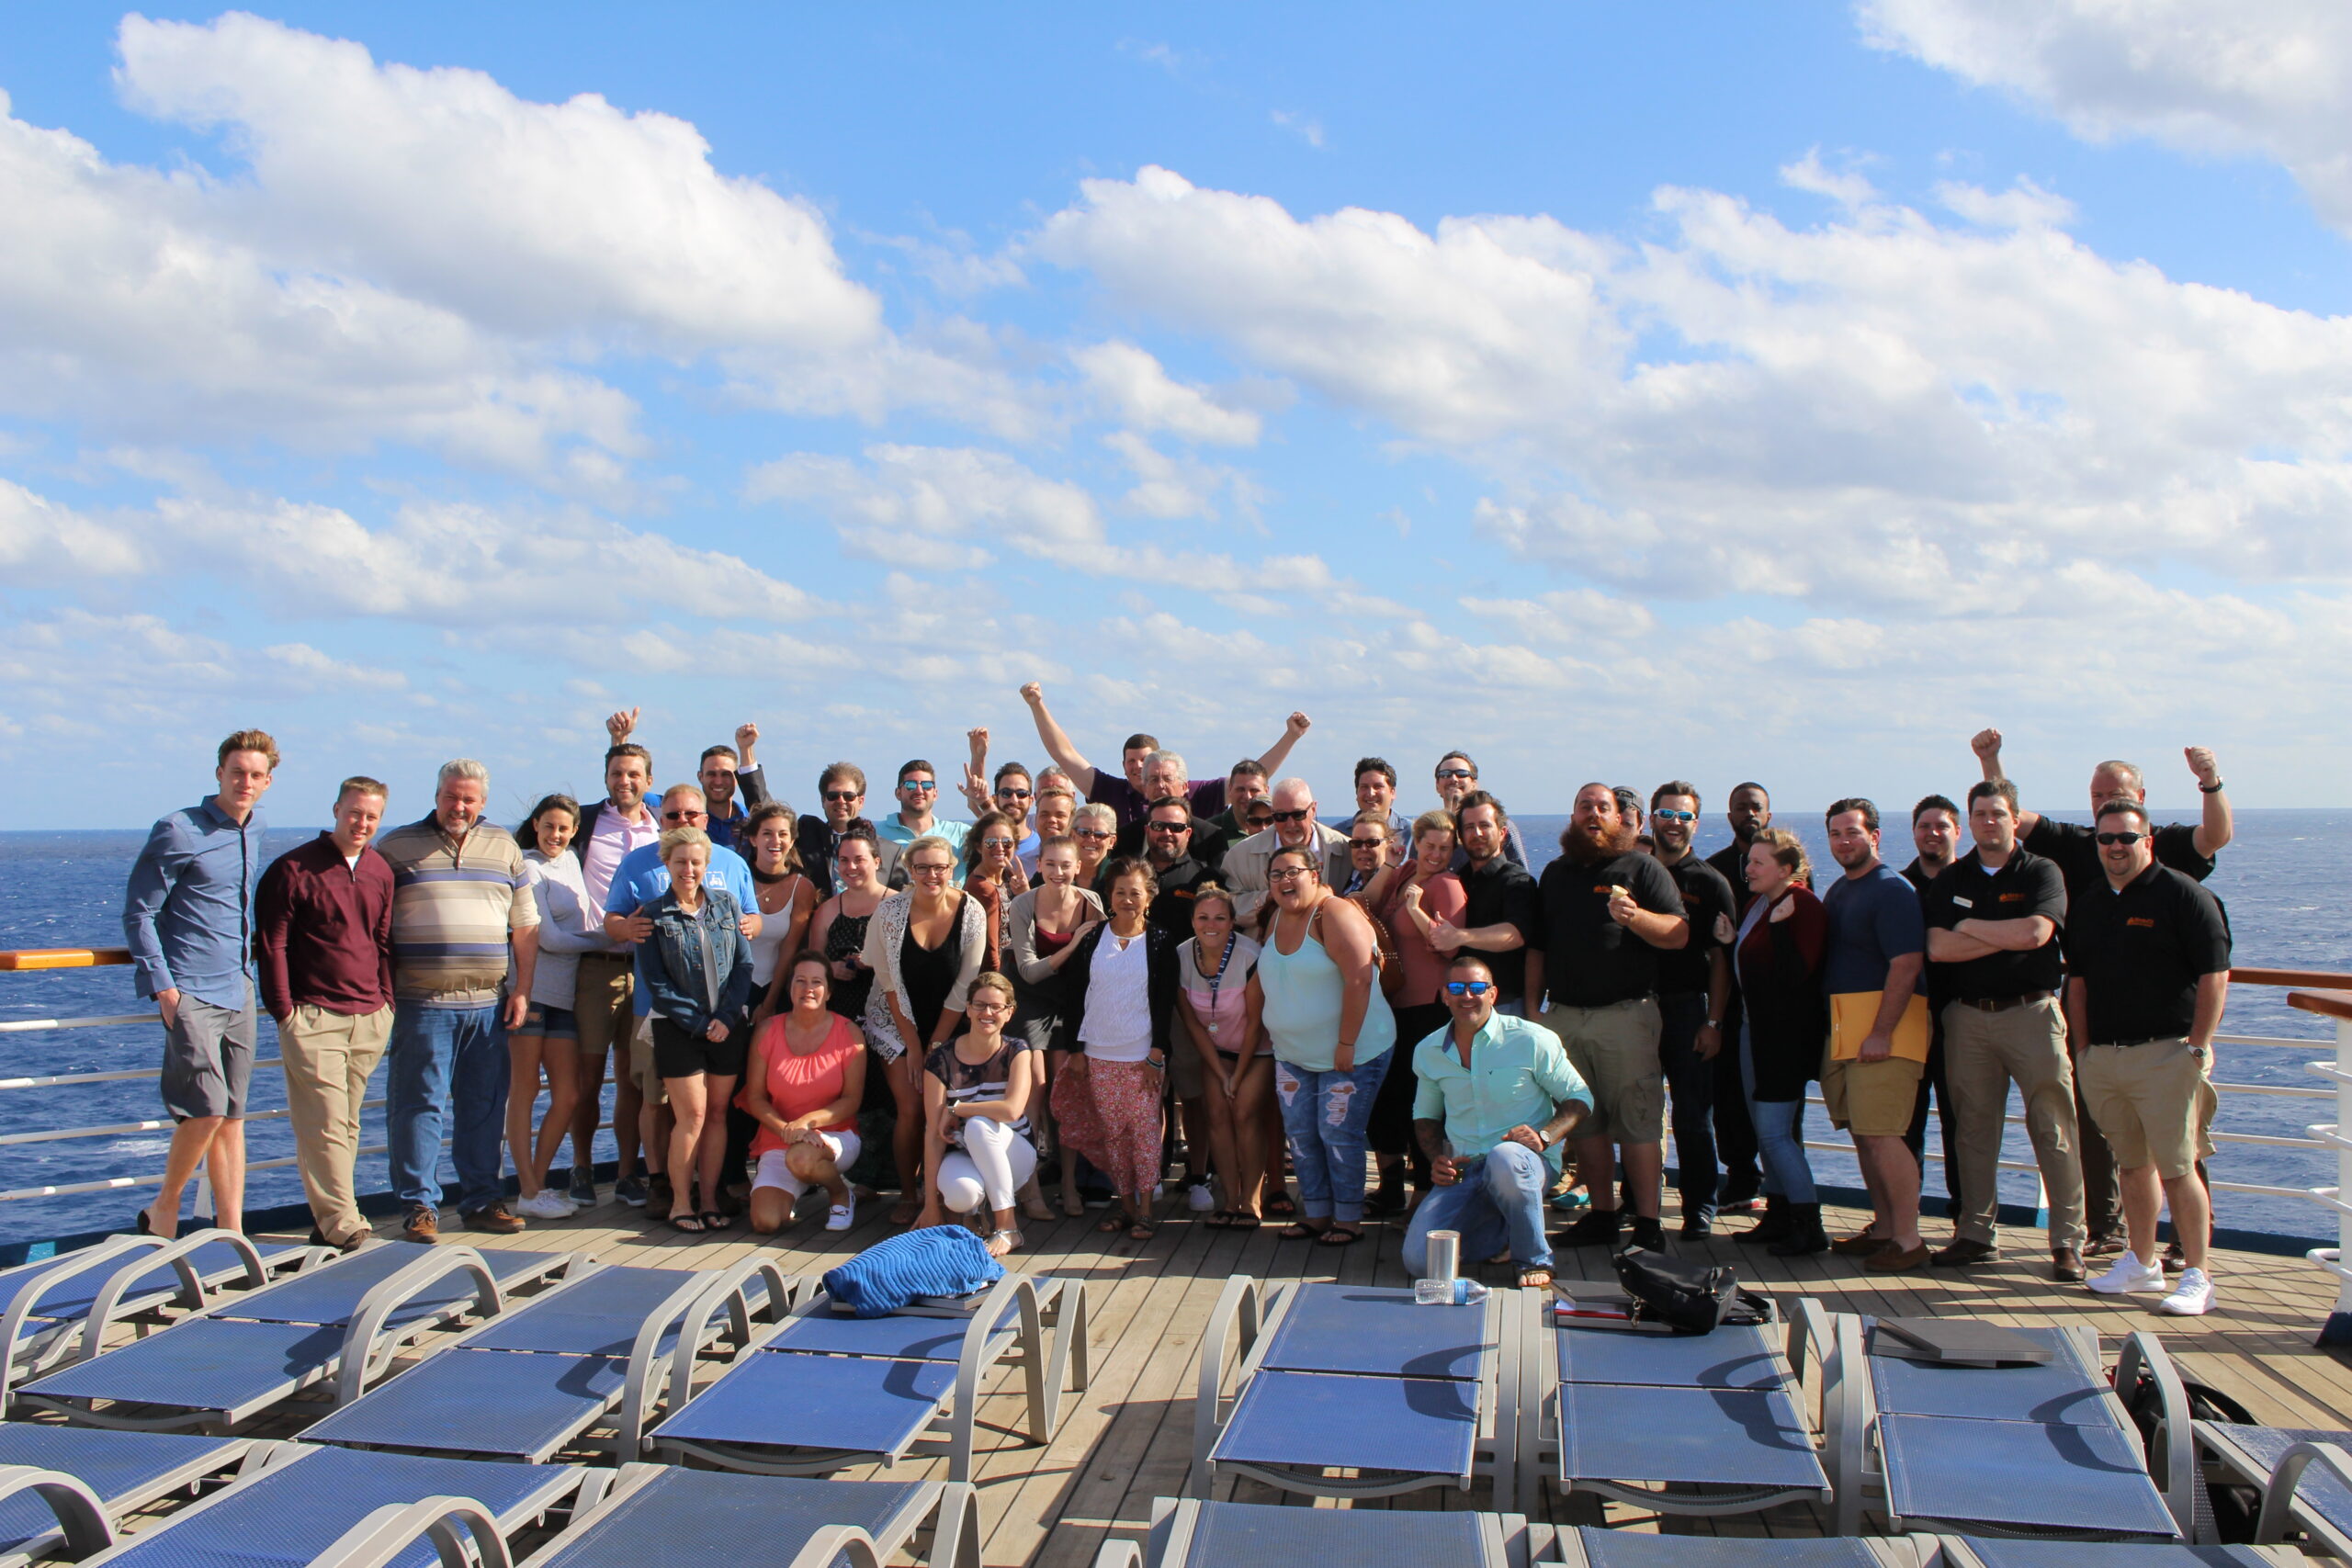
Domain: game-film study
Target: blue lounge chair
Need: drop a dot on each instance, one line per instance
(1684, 1424)
(2303, 1473)
(304, 1499)
(340, 1322)
(1975, 1552)
(820, 1392)
(1192, 1533)
(56, 1309)
(526, 1384)
(115, 1473)
(2023, 1450)
(664, 1516)
(1358, 1377)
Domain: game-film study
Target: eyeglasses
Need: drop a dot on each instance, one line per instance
(1171, 828)
(1467, 987)
(2120, 838)
(1089, 833)
(933, 870)
(844, 795)
(1289, 873)
(1292, 816)
(1455, 773)
(919, 786)
(685, 817)
(1662, 815)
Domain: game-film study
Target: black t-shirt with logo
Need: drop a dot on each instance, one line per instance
(1705, 895)
(1500, 893)
(2076, 850)
(2140, 951)
(2026, 886)
(1591, 961)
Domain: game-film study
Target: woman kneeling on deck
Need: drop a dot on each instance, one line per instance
(976, 1098)
(805, 1080)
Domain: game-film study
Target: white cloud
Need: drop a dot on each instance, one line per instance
(2231, 76)
(936, 507)
(1847, 188)
(42, 541)
(1138, 388)
(1305, 127)
(550, 218)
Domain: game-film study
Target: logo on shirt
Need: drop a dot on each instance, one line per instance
(2142, 921)
(2012, 897)
(1960, 903)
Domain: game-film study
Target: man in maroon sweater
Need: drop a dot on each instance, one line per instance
(324, 944)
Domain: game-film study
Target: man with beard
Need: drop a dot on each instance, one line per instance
(1748, 811)
(1608, 909)
(1457, 780)
(1935, 835)
(1295, 828)
(1244, 787)
(1693, 989)
(1501, 915)
(1168, 836)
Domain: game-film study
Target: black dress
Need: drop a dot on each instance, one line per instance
(929, 974)
(844, 940)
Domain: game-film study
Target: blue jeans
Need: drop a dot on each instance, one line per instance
(1690, 1084)
(1779, 1134)
(1498, 1202)
(1324, 1115)
(447, 1065)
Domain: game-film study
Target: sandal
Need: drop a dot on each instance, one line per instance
(1011, 1239)
(1110, 1224)
(713, 1220)
(1340, 1235)
(905, 1213)
(1220, 1220)
(691, 1224)
(1073, 1206)
(1142, 1229)
(1281, 1206)
(1242, 1220)
(1299, 1231)
(1539, 1279)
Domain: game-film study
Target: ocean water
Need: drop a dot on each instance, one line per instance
(2281, 880)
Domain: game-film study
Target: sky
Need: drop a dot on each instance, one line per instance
(1616, 393)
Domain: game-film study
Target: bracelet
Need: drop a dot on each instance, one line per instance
(1714, 1023)
(2213, 788)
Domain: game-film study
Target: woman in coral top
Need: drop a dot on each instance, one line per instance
(803, 1084)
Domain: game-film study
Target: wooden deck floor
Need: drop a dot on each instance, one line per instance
(1127, 1439)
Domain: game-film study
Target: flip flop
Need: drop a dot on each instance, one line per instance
(1539, 1279)
(1142, 1229)
(1243, 1220)
(1339, 1236)
(690, 1225)
(1220, 1220)
(1282, 1207)
(1295, 1232)
(712, 1220)
(1111, 1225)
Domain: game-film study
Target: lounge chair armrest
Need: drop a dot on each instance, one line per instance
(2278, 1497)
(1119, 1555)
(360, 1359)
(839, 1541)
(1846, 1412)
(715, 1296)
(31, 1287)
(2145, 1356)
(691, 1307)
(1237, 1312)
(81, 1516)
(378, 1539)
(1809, 1336)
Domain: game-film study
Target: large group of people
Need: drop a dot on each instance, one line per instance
(1102, 972)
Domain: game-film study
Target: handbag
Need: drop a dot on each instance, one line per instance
(1687, 1298)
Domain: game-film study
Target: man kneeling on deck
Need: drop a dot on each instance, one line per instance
(2148, 956)
(1495, 1100)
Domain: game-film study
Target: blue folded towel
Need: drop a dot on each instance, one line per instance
(940, 1260)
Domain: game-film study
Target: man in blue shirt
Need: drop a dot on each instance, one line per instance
(187, 917)
(1879, 1034)
(1495, 1100)
(639, 879)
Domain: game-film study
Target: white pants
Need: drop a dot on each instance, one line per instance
(991, 1165)
(773, 1172)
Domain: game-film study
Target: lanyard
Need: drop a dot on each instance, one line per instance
(1217, 981)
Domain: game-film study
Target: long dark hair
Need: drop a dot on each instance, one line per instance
(529, 833)
(763, 812)
(979, 829)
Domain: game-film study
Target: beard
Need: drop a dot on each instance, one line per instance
(1589, 844)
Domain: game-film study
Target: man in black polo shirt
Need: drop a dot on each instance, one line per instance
(1748, 811)
(1608, 910)
(1693, 989)
(2190, 851)
(1168, 836)
(1500, 913)
(1994, 922)
(1935, 836)
(2148, 959)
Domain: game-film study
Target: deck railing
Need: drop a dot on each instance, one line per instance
(2325, 994)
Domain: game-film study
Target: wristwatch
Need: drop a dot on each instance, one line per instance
(1714, 1023)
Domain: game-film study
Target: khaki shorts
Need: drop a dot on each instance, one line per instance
(1872, 1099)
(641, 1069)
(601, 1005)
(1614, 1050)
(2154, 1102)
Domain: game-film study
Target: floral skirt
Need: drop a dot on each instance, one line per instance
(1109, 1112)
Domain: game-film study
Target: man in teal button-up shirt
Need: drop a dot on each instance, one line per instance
(1495, 1100)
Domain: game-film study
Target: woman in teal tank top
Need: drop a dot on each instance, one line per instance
(1318, 984)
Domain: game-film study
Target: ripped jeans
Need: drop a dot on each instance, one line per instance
(1324, 1115)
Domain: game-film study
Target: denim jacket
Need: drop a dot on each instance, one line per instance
(670, 962)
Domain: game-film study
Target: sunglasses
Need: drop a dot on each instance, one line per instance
(1169, 827)
(1467, 987)
(919, 786)
(685, 817)
(1455, 773)
(1290, 815)
(996, 843)
(2120, 838)
(1013, 795)
(1367, 843)
(1089, 833)
(1664, 816)
(844, 795)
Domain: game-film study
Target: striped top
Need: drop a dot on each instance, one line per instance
(455, 901)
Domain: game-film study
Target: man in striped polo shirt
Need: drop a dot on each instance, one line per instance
(461, 905)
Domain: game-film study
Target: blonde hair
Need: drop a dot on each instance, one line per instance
(1214, 891)
(992, 981)
(1432, 821)
(1788, 848)
(928, 841)
(678, 839)
(1094, 811)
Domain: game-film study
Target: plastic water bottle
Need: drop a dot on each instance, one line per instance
(1448, 1292)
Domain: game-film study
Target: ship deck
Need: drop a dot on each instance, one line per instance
(1127, 1439)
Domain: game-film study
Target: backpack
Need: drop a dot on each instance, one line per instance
(1688, 1298)
(2230, 1506)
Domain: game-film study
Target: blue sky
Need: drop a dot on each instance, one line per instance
(1619, 392)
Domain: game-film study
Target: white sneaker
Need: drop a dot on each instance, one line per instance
(1200, 1198)
(840, 1217)
(2127, 1276)
(546, 1204)
(2191, 1297)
